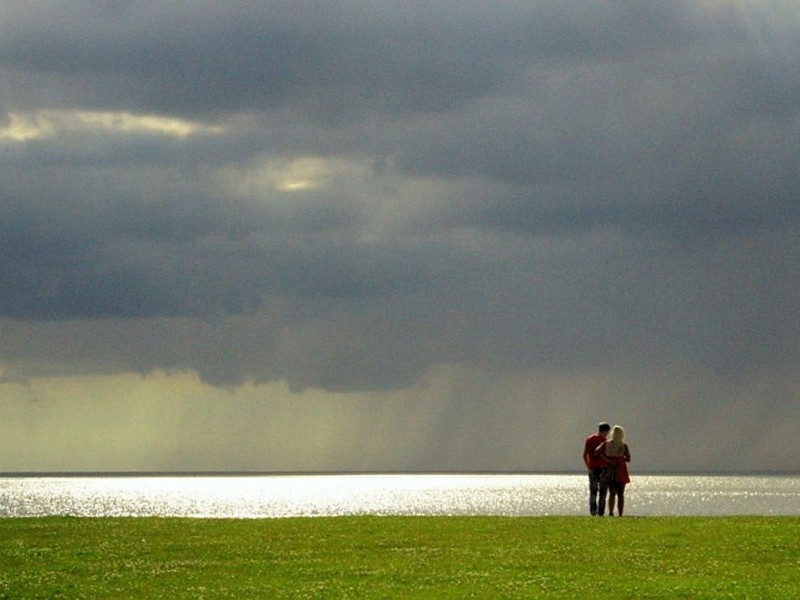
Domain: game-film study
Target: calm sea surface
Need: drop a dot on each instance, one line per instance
(259, 496)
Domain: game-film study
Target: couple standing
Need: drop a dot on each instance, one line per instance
(607, 462)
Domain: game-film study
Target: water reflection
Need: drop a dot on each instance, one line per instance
(333, 495)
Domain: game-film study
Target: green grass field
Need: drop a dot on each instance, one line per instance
(401, 557)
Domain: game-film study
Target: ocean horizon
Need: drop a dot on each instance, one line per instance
(286, 473)
(267, 495)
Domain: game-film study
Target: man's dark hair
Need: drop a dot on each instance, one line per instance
(604, 427)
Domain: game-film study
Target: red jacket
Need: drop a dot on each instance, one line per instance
(621, 470)
(591, 460)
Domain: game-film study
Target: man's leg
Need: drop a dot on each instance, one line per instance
(594, 484)
(602, 490)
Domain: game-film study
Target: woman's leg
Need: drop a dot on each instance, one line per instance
(621, 499)
(612, 494)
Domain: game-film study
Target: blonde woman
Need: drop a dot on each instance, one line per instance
(616, 452)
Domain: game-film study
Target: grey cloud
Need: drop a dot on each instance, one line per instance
(267, 59)
(698, 164)
(328, 60)
(180, 272)
(726, 309)
(539, 177)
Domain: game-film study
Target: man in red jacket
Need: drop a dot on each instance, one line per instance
(594, 464)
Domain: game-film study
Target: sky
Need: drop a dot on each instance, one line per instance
(398, 236)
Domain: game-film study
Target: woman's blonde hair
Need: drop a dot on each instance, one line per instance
(618, 435)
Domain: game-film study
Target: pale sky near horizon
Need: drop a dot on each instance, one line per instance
(437, 235)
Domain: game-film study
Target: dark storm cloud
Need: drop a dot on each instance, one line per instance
(671, 143)
(518, 184)
(321, 58)
(327, 59)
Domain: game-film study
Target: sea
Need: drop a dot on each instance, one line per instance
(330, 495)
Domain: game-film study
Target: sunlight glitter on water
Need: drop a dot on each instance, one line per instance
(413, 494)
